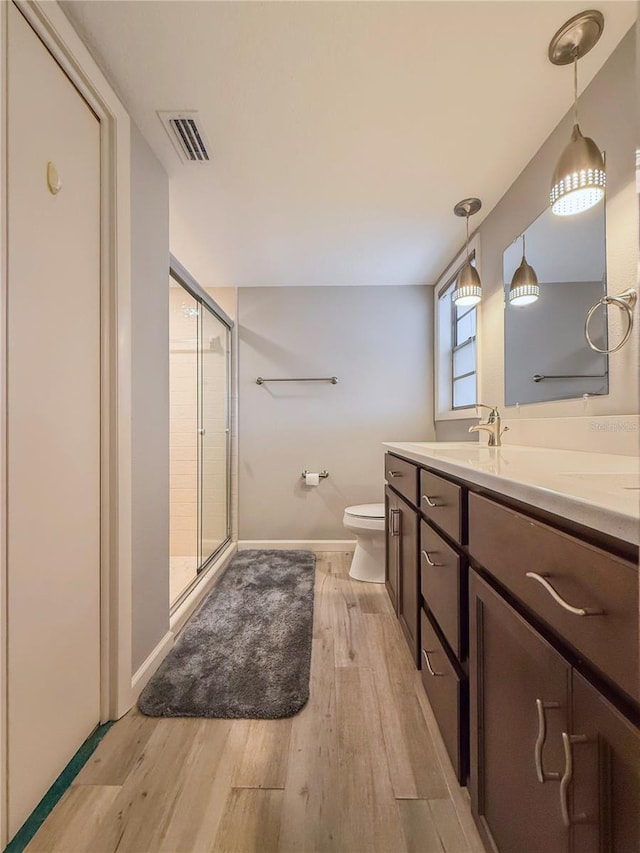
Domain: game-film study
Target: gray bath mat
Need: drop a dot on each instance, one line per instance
(246, 653)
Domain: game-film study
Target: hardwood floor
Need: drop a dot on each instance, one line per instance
(361, 768)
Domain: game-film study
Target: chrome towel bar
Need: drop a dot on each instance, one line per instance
(540, 377)
(332, 379)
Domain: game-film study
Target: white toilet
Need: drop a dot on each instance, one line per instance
(367, 522)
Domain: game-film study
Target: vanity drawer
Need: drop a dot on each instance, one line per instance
(447, 694)
(403, 476)
(441, 501)
(443, 587)
(509, 545)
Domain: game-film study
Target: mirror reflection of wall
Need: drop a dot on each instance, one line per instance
(546, 354)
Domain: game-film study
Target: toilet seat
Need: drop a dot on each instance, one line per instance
(366, 511)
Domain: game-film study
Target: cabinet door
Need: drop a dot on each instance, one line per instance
(519, 709)
(603, 759)
(392, 562)
(409, 591)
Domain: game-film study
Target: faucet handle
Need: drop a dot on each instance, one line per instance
(493, 409)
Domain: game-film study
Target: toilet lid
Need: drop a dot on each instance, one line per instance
(366, 510)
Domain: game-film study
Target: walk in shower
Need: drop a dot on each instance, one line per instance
(199, 384)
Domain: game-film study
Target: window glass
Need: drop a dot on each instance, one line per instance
(464, 359)
(464, 392)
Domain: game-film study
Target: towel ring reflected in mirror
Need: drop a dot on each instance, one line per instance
(626, 302)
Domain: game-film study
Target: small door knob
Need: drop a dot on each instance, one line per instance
(53, 179)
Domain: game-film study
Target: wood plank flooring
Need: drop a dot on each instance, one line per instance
(361, 768)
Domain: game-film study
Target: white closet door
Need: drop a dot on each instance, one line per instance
(53, 678)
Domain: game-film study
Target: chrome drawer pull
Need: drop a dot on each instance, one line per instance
(428, 559)
(430, 668)
(542, 775)
(577, 611)
(428, 500)
(395, 474)
(567, 776)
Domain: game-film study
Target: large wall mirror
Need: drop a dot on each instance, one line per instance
(546, 354)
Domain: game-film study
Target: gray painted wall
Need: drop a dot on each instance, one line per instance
(150, 398)
(607, 112)
(378, 342)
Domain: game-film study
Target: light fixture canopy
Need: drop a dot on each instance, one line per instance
(468, 289)
(579, 178)
(524, 287)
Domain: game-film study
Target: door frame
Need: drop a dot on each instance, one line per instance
(116, 689)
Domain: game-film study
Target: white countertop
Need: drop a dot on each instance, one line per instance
(598, 490)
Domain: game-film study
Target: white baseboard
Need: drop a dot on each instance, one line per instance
(209, 576)
(297, 544)
(150, 665)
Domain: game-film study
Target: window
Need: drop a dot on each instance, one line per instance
(456, 348)
(463, 356)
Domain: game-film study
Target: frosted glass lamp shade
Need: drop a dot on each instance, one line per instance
(524, 288)
(468, 287)
(579, 178)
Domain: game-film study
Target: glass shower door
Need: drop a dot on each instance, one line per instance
(213, 434)
(200, 359)
(184, 559)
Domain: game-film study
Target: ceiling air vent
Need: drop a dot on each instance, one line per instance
(187, 135)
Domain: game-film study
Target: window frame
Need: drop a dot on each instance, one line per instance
(445, 343)
(456, 347)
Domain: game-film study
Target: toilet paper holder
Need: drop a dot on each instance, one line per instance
(323, 474)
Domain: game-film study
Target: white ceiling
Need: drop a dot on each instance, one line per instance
(342, 133)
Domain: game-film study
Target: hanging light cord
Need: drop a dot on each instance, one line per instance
(575, 86)
(523, 247)
(467, 220)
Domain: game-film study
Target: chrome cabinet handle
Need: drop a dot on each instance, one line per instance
(577, 611)
(395, 528)
(542, 775)
(429, 560)
(430, 668)
(428, 500)
(393, 474)
(567, 776)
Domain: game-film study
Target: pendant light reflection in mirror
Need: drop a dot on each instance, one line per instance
(579, 178)
(524, 287)
(468, 290)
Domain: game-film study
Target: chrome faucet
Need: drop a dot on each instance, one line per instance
(492, 426)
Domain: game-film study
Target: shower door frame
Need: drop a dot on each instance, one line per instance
(184, 278)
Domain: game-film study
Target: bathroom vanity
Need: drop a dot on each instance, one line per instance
(514, 575)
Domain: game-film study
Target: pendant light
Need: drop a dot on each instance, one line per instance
(579, 178)
(468, 290)
(524, 287)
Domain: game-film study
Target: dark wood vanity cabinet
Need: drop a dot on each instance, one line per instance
(529, 660)
(519, 709)
(401, 574)
(604, 795)
(554, 765)
(426, 578)
(392, 533)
